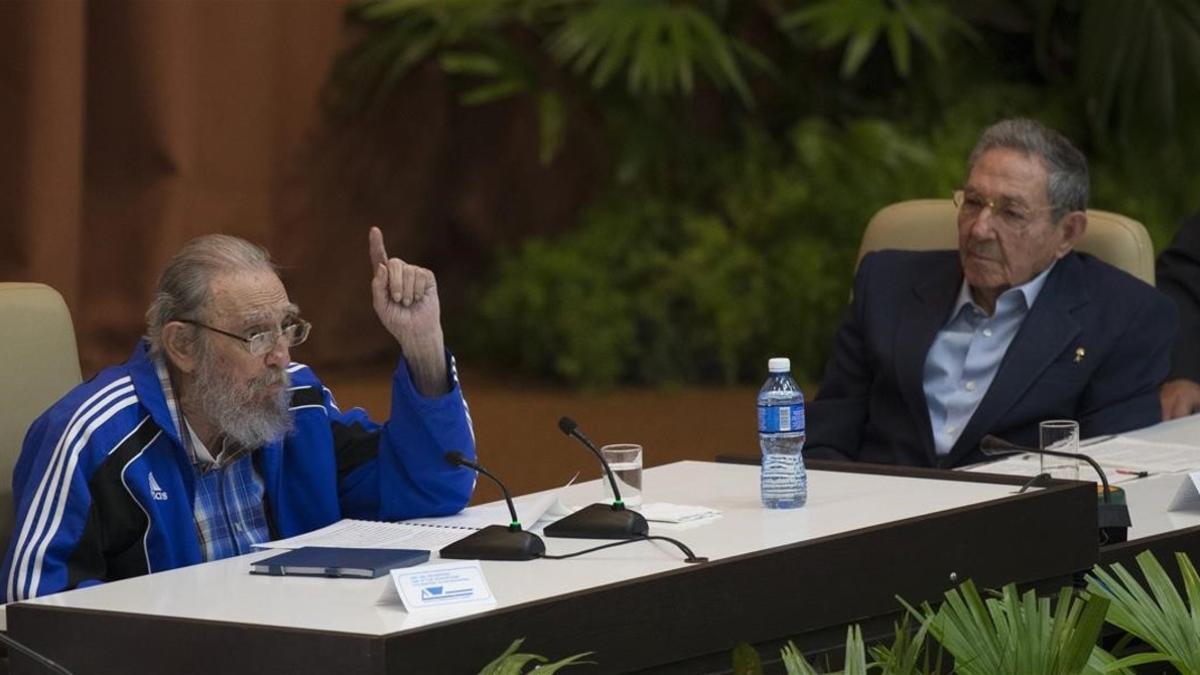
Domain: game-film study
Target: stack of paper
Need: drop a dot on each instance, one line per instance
(1122, 458)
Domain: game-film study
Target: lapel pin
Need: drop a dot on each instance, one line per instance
(1080, 352)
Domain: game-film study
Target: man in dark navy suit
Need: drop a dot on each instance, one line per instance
(940, 348)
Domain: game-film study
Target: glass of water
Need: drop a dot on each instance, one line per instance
(625, 460)
(1062, 436)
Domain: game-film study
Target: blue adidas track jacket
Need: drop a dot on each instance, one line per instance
(104, 487)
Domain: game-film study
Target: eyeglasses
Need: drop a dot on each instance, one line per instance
(262, 342)
(1012, 214)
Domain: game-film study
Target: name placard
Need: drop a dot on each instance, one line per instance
(455, 584)
(1188, 496)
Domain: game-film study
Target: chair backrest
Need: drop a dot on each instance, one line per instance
(925, 224)
(39, 363)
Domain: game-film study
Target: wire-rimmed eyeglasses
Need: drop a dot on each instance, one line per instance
(262, 342)
(1013, 215)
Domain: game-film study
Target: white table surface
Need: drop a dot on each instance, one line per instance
(838, 502)
(1148, 497)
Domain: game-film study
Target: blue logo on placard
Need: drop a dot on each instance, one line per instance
(440, 593)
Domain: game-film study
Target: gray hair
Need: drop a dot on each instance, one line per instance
(1066, 167)
(185, 286)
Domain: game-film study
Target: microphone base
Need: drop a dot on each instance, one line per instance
(600, 521)
(1113, 519)
(496, 542)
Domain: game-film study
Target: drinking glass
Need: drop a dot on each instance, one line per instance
(1062, 436)
(625, 460)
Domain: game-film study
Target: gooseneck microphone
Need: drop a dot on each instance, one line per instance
(494, 542)
(570, 428)
(1112, 518)
(598, 521)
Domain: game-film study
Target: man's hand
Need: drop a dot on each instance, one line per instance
(1179, 398)
(406, 301)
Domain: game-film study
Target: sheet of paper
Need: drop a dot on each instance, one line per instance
(529, 509)
(1123, 459)
(1028, 465)
(423, 533)
(1138, 455)
(349, 533)
(663, 512)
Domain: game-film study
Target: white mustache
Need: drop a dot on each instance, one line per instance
(271, 378)
(989, 251)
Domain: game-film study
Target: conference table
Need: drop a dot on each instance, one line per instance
(864, 537)
(1154, 527)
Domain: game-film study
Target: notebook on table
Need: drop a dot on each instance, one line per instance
(320, 561)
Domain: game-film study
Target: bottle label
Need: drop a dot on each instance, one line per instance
(773, 419)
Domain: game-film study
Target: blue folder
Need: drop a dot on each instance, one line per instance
(320, 561)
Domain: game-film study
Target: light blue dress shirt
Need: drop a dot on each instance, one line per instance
(965, 355)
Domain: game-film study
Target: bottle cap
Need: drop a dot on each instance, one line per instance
(780, 364)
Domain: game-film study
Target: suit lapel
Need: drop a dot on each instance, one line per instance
(1048, 328)
(920, 321)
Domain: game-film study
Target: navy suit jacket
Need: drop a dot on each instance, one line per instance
(871, 406)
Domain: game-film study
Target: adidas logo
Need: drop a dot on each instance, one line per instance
(156, 491)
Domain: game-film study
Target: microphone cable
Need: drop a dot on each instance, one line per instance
(41, 660)
(1039, 480)
(691, 557)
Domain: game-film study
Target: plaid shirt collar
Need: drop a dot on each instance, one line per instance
(202, 458)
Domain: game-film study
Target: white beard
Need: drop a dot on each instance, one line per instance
(239, 411)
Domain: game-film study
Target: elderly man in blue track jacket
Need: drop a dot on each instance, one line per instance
(210, 439)
(940, 348)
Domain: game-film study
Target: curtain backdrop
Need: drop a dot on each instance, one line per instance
(131, 126)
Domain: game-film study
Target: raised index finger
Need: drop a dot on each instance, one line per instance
(378, 252)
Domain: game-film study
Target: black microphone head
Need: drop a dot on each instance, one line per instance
(993, 445)
(567, 425)
(454, 458)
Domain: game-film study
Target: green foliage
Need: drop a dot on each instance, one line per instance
(855, 656)
(1138, 60)
(1018, 633)
(907, 655)
(513, 663)
(1158, 188)
(498, 49)
(747, 144)
(861, 24)
(647, 290)
(1160, 617)
(658, 46)
(746, 660)
(899, 658)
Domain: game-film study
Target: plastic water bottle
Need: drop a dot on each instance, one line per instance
(781, 437)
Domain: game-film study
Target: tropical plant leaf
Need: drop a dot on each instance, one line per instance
(905, 652)
(856, 652)
(1017, 633)
(1135, 58)
(513, 663)
(862, 23)
(746, 660)
(794, 661)
(1155, 613)
(657, 46)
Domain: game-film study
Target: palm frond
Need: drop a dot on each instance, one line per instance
(513, 663)
(1016, 633)
(1155, 613)
(862, 24)
(658, 47)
